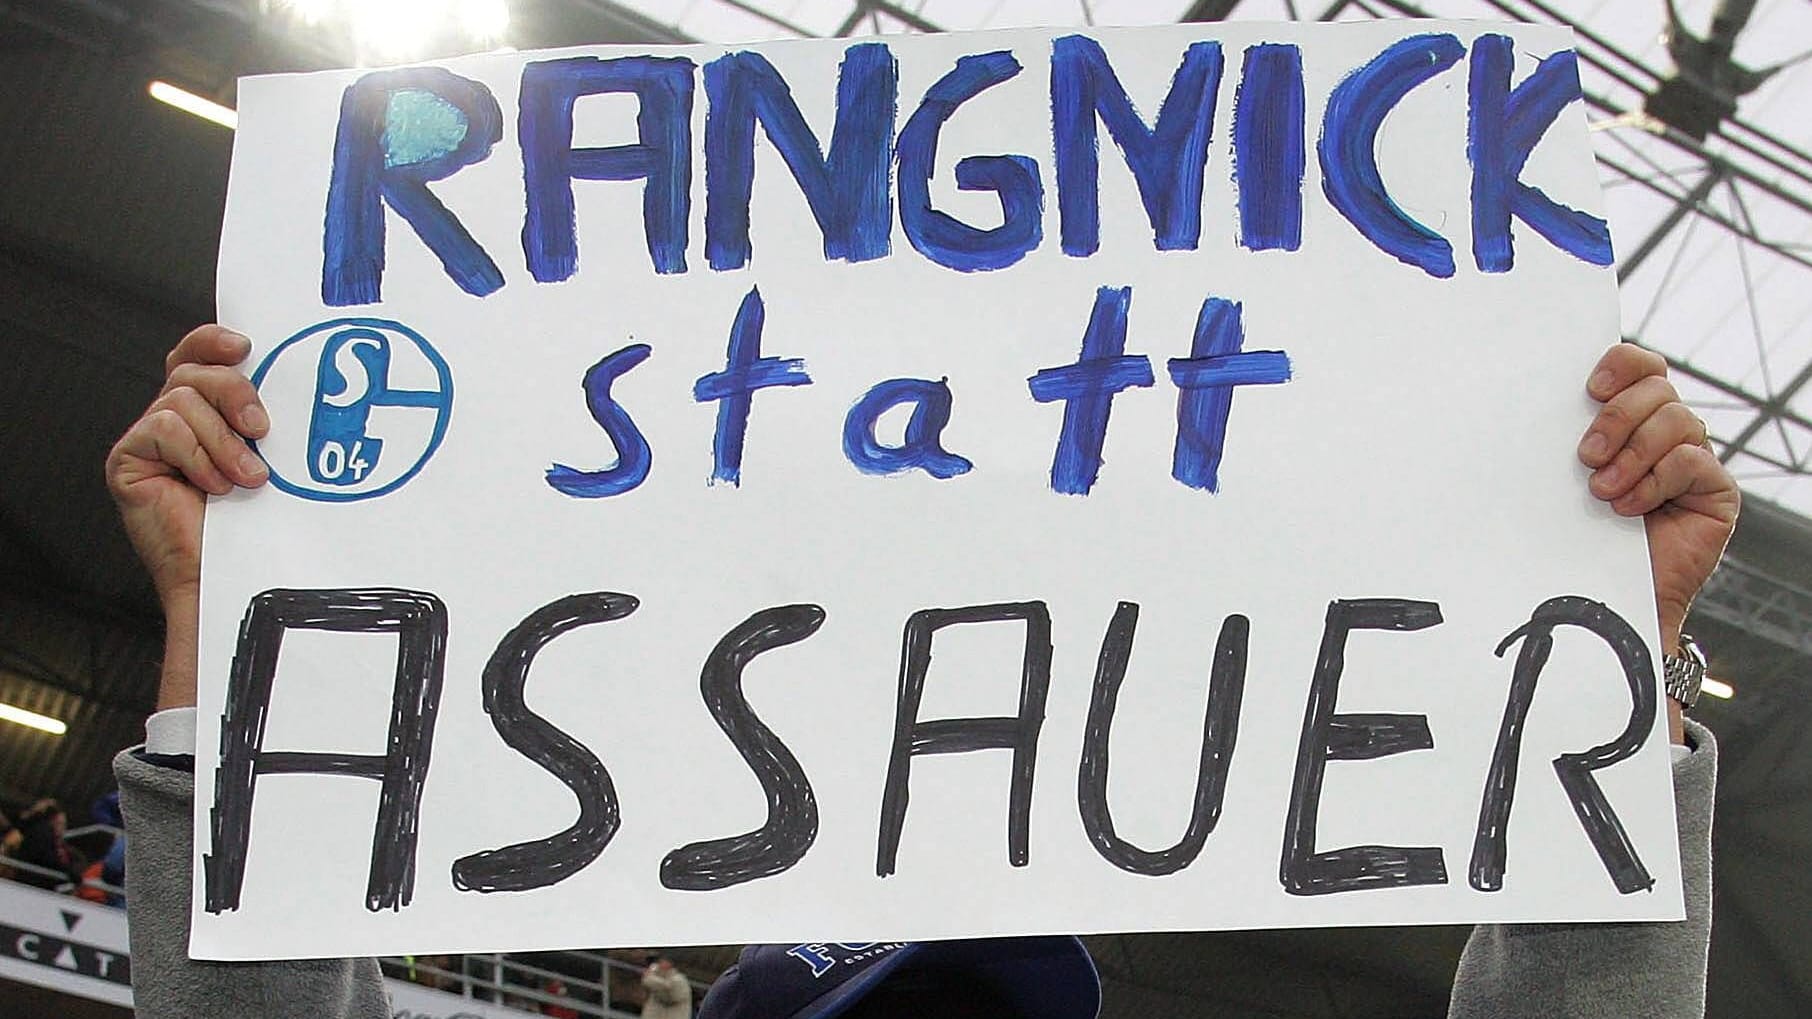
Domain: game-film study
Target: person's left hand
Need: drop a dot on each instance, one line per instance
(1650, 458)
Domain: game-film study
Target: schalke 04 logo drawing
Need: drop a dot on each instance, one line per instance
(358, 406)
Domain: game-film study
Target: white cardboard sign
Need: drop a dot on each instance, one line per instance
(755, 494)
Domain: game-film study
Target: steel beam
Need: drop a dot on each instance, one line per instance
(1209, 10)
(634, 26)
(856, 14)
(903, 16)
(1776, 247)
(1771, 407)
(773, 19)
(1744, 596)
(1684, 206)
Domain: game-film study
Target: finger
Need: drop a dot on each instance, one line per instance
(225, 449)
(1620, 367)
(1622, 415)
(1685, 472)
(1672, 425)
(230, 393)
(163, 443)
(209, 344)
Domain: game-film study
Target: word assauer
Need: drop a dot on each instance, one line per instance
(419, 621)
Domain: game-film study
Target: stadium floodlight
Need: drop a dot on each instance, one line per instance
(397, 29)
(484, 21)
(189, 102)
(402, 29)
(20, 716)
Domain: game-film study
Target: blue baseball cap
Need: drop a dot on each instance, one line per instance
(1043, 978)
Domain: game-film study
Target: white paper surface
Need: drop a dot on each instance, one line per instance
(1422, 449)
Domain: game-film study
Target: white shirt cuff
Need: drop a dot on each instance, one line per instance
(171, 732)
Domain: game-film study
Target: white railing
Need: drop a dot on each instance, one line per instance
(505, 979)
(61, 879)
(90, 829)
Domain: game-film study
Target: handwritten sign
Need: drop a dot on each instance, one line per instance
(938, 486)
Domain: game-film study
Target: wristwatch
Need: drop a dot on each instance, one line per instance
(1683, 674)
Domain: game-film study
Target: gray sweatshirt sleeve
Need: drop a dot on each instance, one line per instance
(166, 983)
(1654, 970)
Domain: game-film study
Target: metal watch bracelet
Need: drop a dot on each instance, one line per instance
(1683, 675)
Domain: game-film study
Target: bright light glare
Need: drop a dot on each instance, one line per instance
(484, 20)
(397, 29)
(310, 12)
(33, 719)
(189, 102)
(1717, 688)
(404, 29)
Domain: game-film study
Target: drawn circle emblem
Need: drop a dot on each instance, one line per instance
(358, 406)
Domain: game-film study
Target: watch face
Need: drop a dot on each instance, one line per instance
(1691, 651)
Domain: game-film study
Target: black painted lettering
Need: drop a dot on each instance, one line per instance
(1596, 816)
(419, 621)
(1018, 733)
(545, 861)
(1220, 726)
(792, 823)
(1327, 736)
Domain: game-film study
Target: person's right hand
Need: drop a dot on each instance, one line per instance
(190, 441)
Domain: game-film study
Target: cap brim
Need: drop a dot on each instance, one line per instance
(1043, 977)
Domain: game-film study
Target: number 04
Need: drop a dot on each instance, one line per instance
(334, 461)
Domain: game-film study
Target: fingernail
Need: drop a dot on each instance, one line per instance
(251, 465)
(238, 340)
(1609, 475)
(1593, 447)
(1601, 382)
(253, 418)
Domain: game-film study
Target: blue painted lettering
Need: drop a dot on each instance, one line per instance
(847, 191)
(661, 157)
(1167, 160)
(1349, 138)
(633, 455)
(1504, 127)
(922, 448)
(745, 371)
(1087, 389)
(399, 130)
(938, 235)
(1268, 159)
(1206, 379)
